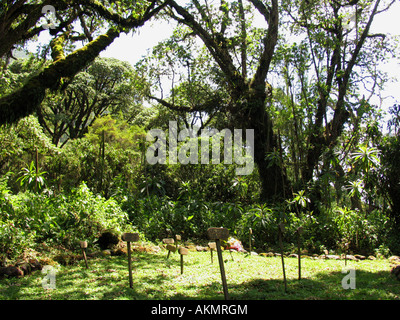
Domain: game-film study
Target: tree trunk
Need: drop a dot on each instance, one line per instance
(253, 115)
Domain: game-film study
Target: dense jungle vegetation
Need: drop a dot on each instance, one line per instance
(304, 75)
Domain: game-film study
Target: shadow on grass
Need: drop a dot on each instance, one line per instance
(155, 277)
(324, 286)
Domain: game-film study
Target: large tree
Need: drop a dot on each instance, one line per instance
(343, 56)
(225, 32)
(342, 53)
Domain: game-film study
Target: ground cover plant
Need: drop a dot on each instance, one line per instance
(248, 277)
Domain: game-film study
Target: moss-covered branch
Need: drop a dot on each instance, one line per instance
(25, 100)
(57, 47)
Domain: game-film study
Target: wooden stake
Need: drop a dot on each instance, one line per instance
(212, 247)
(130, 237)
(83, 247)
(299, 232)
(217, 234)
(170, 247)
(250, 233)
(222, 269)
(130, 265)
(280, 232)
(177, 238)
(181, 263)
(183, 251)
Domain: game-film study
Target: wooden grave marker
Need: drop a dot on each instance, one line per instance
(217, 234)
(130, 237)
(250, 235)
(170, 247)
(183, 252)
(212, 246)
(177, 238)
(84, 245)
(299, 232)
(281, 229)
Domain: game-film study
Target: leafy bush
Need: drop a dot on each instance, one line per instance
(28, 218)
(191, 217)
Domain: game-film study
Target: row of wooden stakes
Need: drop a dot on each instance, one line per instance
(216, 234)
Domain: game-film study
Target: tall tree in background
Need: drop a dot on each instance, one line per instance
(105, 87)
(225, 32)
(343, 55)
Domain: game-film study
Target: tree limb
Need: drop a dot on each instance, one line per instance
(25, 100)
(269, 41)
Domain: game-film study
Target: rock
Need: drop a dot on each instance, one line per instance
(371, 258)
(266, 254)
(252, 253)
(30, 266)
(35, 264)
(277, 254)
(156, 249)
(106, 253)
(293, 255)
(191, 247)
(94, 254)
(394, 260)
(332, 256)
(396, 272)
(25, 268)
(11, 271)
(359, 256)
(119, 252)
(200, 248)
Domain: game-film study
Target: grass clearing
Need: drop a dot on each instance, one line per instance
(248, 277)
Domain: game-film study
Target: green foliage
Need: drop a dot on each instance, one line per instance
(343, 173)
(28, 218)
(32, 178)
(190, 217)
(389, 173)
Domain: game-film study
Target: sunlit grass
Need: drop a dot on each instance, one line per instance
(248, 277)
